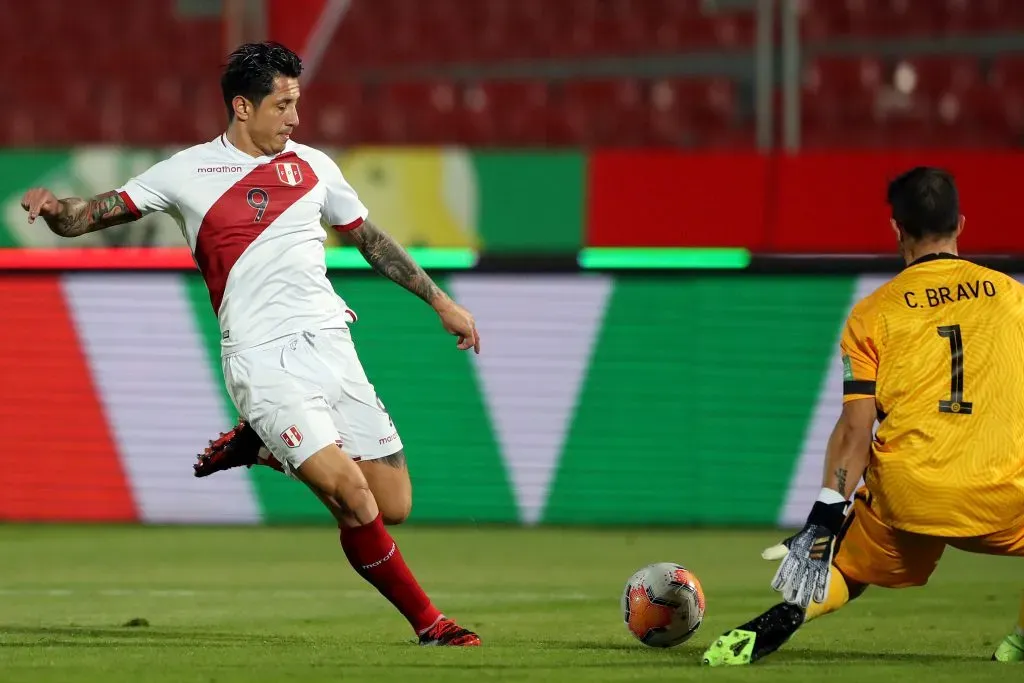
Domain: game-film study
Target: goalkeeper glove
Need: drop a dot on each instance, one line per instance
(806, 569)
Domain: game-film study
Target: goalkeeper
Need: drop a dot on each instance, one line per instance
(934, 356)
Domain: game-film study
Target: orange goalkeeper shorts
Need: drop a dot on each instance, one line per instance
(871, 552)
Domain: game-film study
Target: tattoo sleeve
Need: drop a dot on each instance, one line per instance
(391, 260)
(81, 216)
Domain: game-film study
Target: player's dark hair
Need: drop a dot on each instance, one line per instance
(251, 70)
(925, 202)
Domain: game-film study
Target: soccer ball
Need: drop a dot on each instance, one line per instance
(663, 604)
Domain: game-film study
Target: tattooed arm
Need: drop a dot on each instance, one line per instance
(73, 216)
(391, 260)
(849, 447)
(388, 258)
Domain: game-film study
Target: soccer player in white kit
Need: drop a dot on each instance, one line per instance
(250, 205)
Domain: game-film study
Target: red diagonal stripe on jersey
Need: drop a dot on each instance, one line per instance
(230, 226)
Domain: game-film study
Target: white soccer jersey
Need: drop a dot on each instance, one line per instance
(254, 227)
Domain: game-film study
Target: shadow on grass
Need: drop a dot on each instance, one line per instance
(92, 636)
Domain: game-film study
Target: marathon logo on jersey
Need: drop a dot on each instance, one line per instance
(289, 174)
(220, 169)
(292, 437)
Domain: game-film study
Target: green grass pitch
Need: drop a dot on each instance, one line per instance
(248, 605)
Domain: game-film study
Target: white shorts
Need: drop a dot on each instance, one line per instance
(307, 391)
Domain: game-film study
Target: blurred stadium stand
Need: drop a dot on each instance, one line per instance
(515, 73)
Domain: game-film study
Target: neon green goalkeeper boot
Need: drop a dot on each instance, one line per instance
(758, 637)
(1011, 649)
(731, 649)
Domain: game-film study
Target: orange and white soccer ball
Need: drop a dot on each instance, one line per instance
(663, 604)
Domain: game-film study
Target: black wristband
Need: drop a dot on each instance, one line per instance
(830, 516)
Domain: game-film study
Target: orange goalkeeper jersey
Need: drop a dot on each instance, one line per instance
(940, 348)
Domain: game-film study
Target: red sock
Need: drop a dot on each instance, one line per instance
(375, 556)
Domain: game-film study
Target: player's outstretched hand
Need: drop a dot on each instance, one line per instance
(40, 202)
(459, 322)
(806, 569)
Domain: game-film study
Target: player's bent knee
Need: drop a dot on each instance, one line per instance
(395, 510)
(357, 500)
(331, 473)
(389, 481)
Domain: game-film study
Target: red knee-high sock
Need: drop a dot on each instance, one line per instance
(375, 556)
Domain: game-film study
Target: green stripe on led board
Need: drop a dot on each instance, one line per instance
(663, 257)
(349, 258)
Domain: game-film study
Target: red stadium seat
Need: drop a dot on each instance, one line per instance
(685, 112)
(843, 75)
(418, 112)
(452, 71)
(605, 110)
(334, 113)
(1007, 74)
(505, 112)
(839, 93)
(988, 114)
(444, 31)
(938, 75)
(823, 19)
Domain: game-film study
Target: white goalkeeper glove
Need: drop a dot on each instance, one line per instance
(806, 569)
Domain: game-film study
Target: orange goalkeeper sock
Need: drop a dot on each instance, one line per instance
(838, 595)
